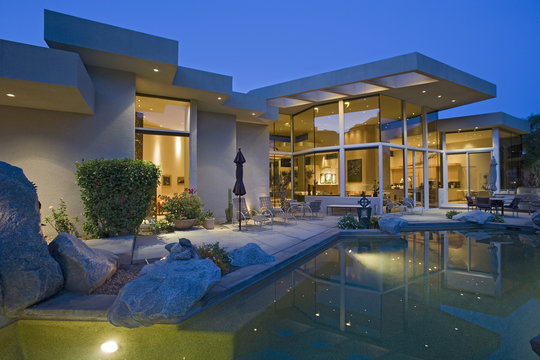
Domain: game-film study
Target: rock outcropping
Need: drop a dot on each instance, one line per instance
(249, 254)
(28, 273)
(84, 268)
(165, 290)
(477, 216)
(392, 224)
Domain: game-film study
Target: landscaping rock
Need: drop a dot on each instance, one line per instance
(477, 216)
(535, 344)
(84, 268)
(182, 250)
(249, 254)
(28, 273)
(392, 224)
(163, 292)
(536, 217)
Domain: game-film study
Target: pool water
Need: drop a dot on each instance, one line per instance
(428, 295)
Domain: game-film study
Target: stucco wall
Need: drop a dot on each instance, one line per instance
(46, 144)
(253, 140)
(216, 141)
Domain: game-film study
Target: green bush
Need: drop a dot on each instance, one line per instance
(60, 221)
(187, 205)
(374, 222)
(497, 219)
(450, 214)
(217, 254)
(349, 222)
(160, 226)
(117, 194)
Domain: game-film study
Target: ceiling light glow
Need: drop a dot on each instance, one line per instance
(156, 70)
(10, 95)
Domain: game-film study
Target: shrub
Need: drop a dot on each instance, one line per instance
(349, 222)
(187, 205)
(59, 220)
(117, 194)
(450, 214)
(497, 218)
(161, 225)
(217, 254)
(374, 222)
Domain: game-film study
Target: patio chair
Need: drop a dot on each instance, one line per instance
(315, 207)
(483, 203)
(390, 205)
(411, 206)
(514, 206)
(268, 209)
(241, 210)
(470, 203)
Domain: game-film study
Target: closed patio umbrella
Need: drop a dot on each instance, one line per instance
(492, 176)
(239, 188)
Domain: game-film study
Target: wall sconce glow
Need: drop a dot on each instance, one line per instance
(10, 95)
(109, 347)
(156, 70)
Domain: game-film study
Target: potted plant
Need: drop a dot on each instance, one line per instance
(184, 210)
(208, 220)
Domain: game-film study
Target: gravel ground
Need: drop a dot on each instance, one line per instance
(123, 275)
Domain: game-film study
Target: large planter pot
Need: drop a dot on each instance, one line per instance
(184, 224)
(208, 224)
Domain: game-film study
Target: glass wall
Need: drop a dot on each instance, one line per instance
(303, 130)
(433, 136)
(326, 167)
(458, 182)
(469, 139)
(362, 172)
(393, 180)
(162, 114)
(304, 176)
(361, 118)
(280, 178)
(478, 173)
(326, 118)
(391, 120)
(415, 175)
(280, 134)
(414, 125)
(510, 151)
(434, 177)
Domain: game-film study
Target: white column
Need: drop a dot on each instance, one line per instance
(381, 179)
(292, 159)
(405, 167)
(426, 157)
(341, 150)
(193, 144)
(496, 154)
(444, 168)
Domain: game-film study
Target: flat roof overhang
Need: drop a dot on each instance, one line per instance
(413, 77)
(42, 78)
(484, 121)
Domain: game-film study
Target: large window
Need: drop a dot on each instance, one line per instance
(280, 134)
(393, 175)
(162, 137)
(361, 117)
(362, 172)
(510, 150)
(304, 176)
(327, 173)
(326, 119)
(433, 136)
(434, 177)
(391, 120)
(303, 130)
(280, 178)
(469, 139)
(414, 125)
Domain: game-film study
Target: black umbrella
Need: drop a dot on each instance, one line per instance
(239, 188)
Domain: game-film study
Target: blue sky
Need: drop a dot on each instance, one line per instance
(262, 43)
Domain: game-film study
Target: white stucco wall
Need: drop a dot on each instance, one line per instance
(216, 141)
(253, 140)
(46, 144)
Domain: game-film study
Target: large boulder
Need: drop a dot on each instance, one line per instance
(249, 254)
(84, 268)
(477, 216)
(28, 273)
(163, 292)
(535, 344)
(392, 224)
(536, 217)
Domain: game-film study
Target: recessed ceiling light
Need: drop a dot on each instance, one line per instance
(453, 100)
(11, 95)
(219, 98)
(439, 96)
(151, 109)
(156, 70)
(253, 114)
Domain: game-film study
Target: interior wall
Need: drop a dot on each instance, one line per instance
(46, 144)
(216, 142)
(250, 137)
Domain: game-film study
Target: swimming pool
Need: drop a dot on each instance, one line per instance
(429, 295)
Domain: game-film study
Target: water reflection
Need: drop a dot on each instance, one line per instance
(430, 295)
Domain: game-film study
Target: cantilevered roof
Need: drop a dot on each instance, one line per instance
(41, 78)
(413, 77)
(484, 121)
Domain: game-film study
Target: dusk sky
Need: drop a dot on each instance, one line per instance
(263, 43)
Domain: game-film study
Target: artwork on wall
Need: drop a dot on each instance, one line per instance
(166, 180)
(354, 170)
(180, 180)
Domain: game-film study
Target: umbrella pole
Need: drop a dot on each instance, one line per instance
(239, 213)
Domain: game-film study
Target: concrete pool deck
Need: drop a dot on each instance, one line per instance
(287, 242)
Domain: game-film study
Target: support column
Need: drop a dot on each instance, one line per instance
(341, 150)
(193, 144)
(497, 155)
(426, 157)
(405, 167)
(381, 179)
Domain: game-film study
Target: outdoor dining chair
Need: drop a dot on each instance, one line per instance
(470, 202)
(267, 208)
(514, 206)
(241, 211)
(483, 203)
